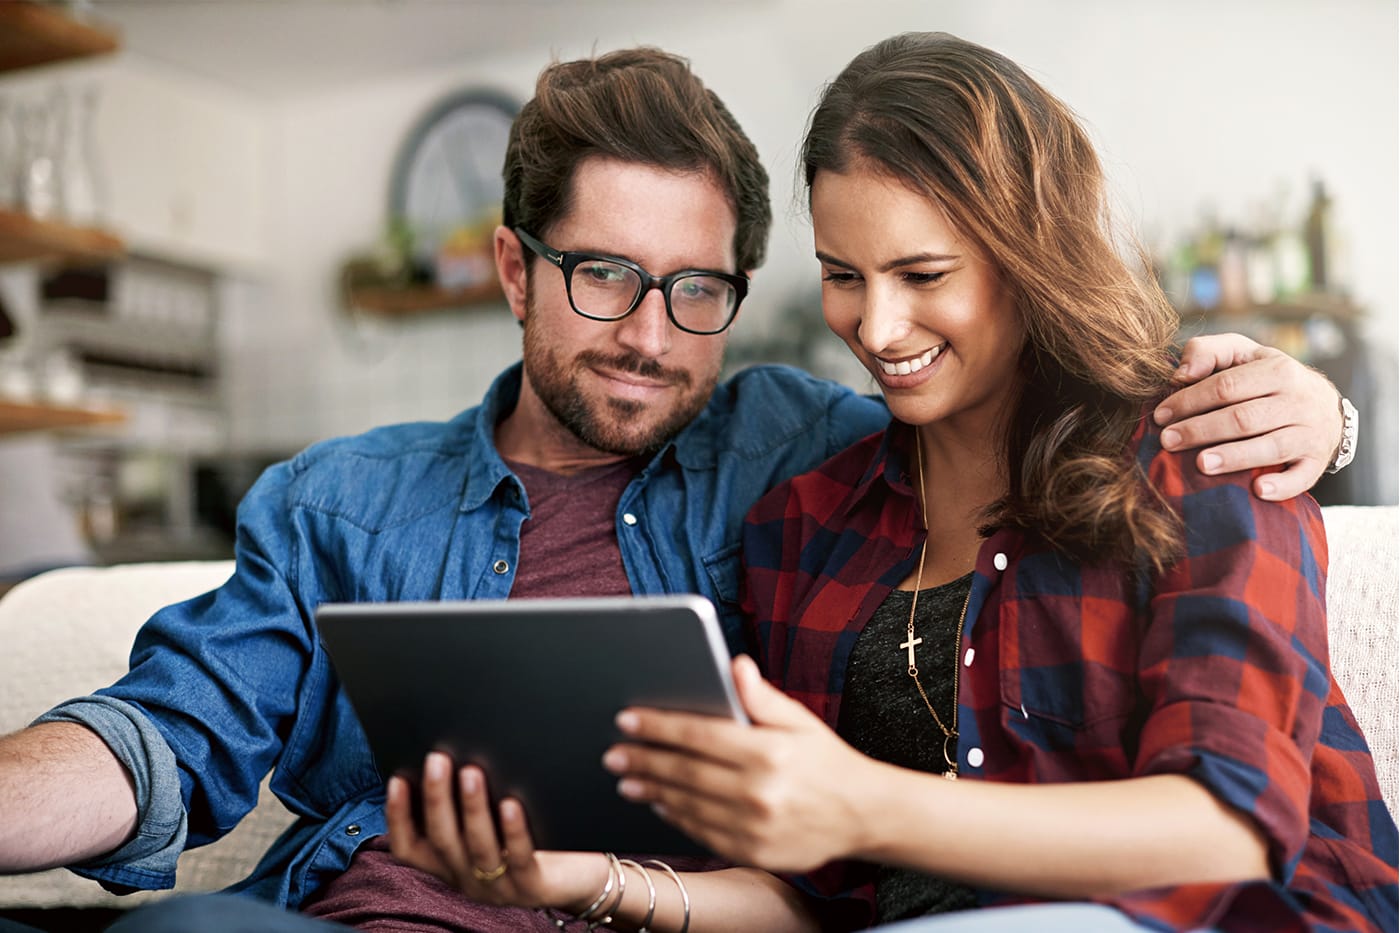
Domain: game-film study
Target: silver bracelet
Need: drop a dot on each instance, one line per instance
(651, 893)
(1346, 447)
(614, 864)
(685, 895)
(602, 896)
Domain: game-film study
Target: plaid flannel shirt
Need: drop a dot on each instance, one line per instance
(1217, 669)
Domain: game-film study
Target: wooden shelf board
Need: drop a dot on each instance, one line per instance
(31, 34)
(398, 302)
(16, 417)
(24, 238)
(1299, 308)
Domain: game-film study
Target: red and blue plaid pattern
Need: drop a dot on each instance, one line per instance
(1216, 669)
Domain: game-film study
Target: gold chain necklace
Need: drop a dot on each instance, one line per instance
(949, 735)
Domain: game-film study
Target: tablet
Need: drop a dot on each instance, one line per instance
(528, 689)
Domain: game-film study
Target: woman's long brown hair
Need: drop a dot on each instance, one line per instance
(1015, 173)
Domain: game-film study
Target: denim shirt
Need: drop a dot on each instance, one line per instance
(230, 685)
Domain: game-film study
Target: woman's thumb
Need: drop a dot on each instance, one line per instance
(765, 703)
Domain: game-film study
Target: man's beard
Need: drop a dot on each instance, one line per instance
(615, 426)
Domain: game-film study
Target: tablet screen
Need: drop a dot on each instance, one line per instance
(528, 689)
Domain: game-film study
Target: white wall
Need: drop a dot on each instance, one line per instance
(180, 162)
(185, 163)
(1195, 103)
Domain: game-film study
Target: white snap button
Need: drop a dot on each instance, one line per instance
(500, 566)
(628, 518)
(353, 829)
(999, 562)
(974, 757)
(967, 658)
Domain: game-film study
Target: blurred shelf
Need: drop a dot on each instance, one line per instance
(24, 238)
(16, 417)
(33, 34)
(1338, 307)
(158, 544)
(1319, 329)
(401, 302)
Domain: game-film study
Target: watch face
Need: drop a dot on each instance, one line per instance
(447, 181)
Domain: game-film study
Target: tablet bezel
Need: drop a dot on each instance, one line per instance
(488, 681)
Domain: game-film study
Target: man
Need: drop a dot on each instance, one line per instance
(609, 461)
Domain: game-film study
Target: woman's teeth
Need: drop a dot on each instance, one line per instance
(905, 367)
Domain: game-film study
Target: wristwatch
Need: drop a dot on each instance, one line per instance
(1347, 448)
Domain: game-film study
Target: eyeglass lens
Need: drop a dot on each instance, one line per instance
(607, 290)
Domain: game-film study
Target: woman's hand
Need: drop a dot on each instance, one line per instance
(780, 794)
(463, 849)
(1252, 406)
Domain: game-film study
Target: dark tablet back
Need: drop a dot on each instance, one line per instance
(528, 688)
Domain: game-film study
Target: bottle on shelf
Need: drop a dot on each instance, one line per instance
(11, 153)
(79, 179)
(1317, 236)
(1175, 273)
(1292, 271)
(1234, 271)
(1259, 270)
(1209, 248)
(39, 134)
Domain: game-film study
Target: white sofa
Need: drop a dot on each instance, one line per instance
(68, 631)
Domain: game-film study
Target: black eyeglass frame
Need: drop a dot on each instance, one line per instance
(569, 260)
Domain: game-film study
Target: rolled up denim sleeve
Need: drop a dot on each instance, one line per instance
(148, 860)
(224, 675)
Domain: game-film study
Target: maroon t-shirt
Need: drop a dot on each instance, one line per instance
(568, 547)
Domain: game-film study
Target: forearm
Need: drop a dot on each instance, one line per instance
(1059, 840)
(64, 798)
(720, 901)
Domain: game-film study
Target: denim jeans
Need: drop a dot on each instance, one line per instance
(220, 913)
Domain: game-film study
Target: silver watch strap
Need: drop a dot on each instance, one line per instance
(1346, 449)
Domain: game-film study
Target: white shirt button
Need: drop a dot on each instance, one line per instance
(628, 518)
(974, 757)
(967, 658)
(500, 566)
(999, 562)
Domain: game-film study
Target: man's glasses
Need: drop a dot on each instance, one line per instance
(608, 288)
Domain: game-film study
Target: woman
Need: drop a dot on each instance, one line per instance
(1123, 661)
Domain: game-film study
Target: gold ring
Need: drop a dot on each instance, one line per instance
(486, 877)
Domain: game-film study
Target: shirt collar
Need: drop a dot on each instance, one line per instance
(888, 470)
(487, 470)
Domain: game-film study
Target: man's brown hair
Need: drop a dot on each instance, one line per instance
(639, 105)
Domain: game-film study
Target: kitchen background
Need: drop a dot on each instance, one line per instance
(225, 174)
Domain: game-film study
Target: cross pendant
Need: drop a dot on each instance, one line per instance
(910, 645)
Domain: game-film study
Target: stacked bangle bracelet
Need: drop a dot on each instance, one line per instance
(685, 895)
(651, 893)
(605, 906)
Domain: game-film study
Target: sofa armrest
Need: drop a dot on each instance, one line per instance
(1363, 625)
(68, 632)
